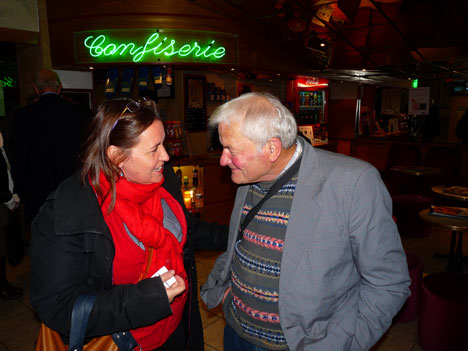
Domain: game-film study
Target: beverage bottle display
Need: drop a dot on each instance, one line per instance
(315, 98)
(319, 98)
(179, 174)
(320, 116)
(301, 98)
(185, 181)
(195, 176)
(198, 198)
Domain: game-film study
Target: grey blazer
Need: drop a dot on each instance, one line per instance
(343, 272)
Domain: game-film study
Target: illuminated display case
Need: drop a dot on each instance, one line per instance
(310, 104)
(191, 177)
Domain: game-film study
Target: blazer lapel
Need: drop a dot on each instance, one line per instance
(304, 214)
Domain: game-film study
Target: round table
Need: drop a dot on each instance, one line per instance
(417, 171)
(458, 226)
(456, 192)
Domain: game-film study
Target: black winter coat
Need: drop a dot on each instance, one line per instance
(72, 252)
(47, 138)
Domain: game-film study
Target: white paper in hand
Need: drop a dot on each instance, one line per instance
(163, 270)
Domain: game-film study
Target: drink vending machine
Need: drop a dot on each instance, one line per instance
(310, 96)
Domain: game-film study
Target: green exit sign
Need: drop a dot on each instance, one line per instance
(155, 46)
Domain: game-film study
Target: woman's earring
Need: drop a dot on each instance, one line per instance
(121, 173)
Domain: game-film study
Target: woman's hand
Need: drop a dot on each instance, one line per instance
(175, 289)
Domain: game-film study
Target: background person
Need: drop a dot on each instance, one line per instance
(47, 136)
(320, 266)
(10, 202)
(100, 228)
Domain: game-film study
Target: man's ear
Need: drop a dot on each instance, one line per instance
(274, 148)
(113, 152)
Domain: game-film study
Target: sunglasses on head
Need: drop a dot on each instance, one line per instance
(132, 107)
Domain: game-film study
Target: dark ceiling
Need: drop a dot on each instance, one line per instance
(404, 39)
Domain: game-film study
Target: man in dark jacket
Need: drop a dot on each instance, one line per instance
(47, 138)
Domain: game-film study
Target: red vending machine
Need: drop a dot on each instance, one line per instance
(310, 96)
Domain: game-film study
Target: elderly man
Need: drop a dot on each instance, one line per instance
(314, 259)
(47, 139)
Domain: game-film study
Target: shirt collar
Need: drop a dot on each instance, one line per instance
(294, 158)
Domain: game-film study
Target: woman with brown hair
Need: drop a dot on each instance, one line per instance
(110, 229)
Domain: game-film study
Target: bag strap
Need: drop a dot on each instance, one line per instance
(149, 258)
(79, 320)
(125, 341)
(285, 177)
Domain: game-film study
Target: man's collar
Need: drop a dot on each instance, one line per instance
(49, 92)
(295, 156)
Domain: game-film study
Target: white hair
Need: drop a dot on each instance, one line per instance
(260, 117)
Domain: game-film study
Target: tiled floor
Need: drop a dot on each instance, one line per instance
(19, 326)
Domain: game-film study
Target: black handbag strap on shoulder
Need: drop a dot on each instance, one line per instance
(79, 321)
(81, 310)
(285, 177)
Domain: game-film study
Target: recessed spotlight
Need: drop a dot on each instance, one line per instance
(233, 69)
(409, 78)
(91, 67)
(322, 44)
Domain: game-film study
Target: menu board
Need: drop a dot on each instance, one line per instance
(195, 104)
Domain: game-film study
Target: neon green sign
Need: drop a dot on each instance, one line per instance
(414, 83)
(155, 46)
(7, 82)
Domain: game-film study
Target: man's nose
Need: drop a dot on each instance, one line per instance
(225, 158)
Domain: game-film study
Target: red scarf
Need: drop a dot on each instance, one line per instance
(139, 207)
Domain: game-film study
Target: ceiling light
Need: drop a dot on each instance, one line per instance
(233, 69)
(91, 67)
(322, 44)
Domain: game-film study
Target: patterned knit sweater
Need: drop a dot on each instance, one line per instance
(251, 308)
